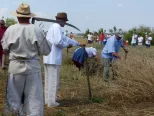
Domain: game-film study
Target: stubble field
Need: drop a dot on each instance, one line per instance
(131, 94)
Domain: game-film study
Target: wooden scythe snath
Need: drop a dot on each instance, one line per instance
(125, 56)
(87, 74)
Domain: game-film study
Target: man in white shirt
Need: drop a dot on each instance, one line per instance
(140, 40)
(25, 43)
(90, 37)
(148, 41)
(53, 61)
(134, 39)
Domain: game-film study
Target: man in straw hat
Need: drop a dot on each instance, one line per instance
(110, 52)
(54, 59)
(25, 43)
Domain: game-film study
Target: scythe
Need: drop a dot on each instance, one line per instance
(53, 21)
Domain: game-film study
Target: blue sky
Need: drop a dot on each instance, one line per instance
(92, 14)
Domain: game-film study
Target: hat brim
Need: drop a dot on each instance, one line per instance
(61, 18)
(20, 15)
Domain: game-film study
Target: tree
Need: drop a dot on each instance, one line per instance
(100, 30)
(86, 33)
(115, 29)
(111, 31)
(10, 21)
(120, 30)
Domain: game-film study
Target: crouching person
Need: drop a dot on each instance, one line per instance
(81, 53)
(25, 43)
(110, 52)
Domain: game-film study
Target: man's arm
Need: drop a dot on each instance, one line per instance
(56, 37)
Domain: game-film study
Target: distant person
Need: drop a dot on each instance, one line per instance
(140, 40)
(134, 39)
(101, 38)
(90, 38)
(2, 53)
(105, 40)
(109, 35)
(148, 40)
(126, 43)
(110, 52)
(71, 35)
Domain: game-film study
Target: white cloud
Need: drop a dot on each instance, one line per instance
(120, 5)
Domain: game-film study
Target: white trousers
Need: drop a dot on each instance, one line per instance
(31, 86)
(51, 83)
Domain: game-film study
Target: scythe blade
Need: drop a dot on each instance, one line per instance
(51, 20)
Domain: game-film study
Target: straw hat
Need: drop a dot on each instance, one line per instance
(23, 11)
(62, 15)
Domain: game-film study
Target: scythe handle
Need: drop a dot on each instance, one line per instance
(87, 74)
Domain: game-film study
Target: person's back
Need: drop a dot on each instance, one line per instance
(23, 41)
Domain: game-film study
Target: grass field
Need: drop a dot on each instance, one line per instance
(131, 94)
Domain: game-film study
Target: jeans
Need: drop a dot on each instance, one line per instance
(107, 64)
(147, 46)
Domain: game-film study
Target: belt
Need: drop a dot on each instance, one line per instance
(24, 60)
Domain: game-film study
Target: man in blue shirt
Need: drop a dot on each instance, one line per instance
(110, 52)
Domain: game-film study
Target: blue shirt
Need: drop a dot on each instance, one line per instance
(112, 45)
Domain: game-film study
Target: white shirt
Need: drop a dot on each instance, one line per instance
(148, 41)
(58, 41)
(91, 51)
(134, 37)
(25, 44)
(140, 39)
(89, 37)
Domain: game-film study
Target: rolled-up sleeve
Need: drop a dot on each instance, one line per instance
(73, 42)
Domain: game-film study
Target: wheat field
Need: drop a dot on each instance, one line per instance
(131, 94)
